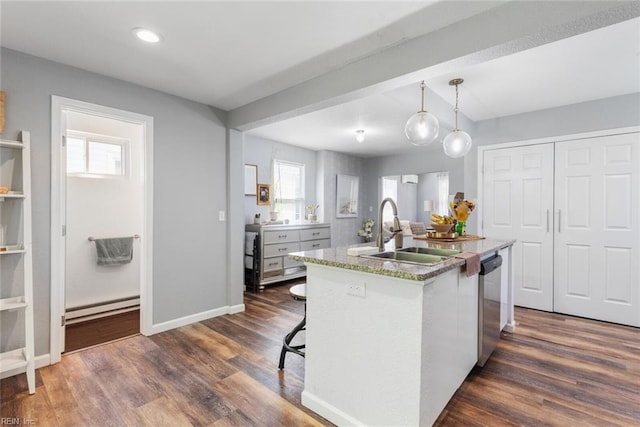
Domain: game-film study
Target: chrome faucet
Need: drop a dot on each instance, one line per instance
(396, 224)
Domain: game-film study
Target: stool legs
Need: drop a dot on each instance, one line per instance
(286, 344)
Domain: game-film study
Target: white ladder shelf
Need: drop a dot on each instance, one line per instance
(14, 361)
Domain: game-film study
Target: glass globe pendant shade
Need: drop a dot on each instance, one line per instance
(422, 128)
(457, 143)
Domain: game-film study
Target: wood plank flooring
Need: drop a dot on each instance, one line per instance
(555, 370)
(98, 331)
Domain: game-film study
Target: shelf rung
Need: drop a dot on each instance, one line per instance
(11, 144)
(12, 303)
(11, 249)
(14, 359)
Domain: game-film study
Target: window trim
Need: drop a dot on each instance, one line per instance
(90, 137)
(299, 202)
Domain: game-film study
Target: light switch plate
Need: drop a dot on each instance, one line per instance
(221, 215)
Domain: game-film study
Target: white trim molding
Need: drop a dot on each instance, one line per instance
(59, 105)
(194, 318)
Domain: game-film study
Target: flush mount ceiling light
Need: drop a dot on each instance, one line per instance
(422, 127)
(360, 135)
(146, 35)
(458, 142)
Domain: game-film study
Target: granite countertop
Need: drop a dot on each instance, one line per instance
(338, 257)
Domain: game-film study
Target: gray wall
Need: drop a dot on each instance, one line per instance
(189, 182)
(344, 231)
(422, 160)
(262, 152)
(321, 169)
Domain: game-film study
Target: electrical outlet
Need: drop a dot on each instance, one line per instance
(357, 289)
(221, 215)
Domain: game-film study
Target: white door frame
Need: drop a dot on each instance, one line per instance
(58, 214)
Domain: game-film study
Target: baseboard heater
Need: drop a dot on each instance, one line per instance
(102, 309)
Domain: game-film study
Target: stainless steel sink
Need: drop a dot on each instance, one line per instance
(431, 251)
(409, 257)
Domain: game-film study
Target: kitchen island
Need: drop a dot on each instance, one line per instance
(388, 342)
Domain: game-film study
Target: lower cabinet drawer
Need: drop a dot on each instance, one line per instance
(271, 264)
(288, 263)
(315, 244)
(281, 236)
(315, 233)
(280, 249)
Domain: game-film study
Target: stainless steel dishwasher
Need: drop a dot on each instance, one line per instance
(488, 307)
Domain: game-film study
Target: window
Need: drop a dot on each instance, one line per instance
(443, 193)
(95, 155)
(389, 189)
(288, 190)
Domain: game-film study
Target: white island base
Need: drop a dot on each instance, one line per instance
(387, 351)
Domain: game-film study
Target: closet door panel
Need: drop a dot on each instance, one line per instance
(597, 240)
(518, 189)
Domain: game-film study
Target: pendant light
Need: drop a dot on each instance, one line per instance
(422, 127)
(458, 142)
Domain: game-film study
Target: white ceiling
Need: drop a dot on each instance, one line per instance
(594, 65)
(229, 54)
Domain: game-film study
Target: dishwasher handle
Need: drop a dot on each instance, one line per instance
(490, 264)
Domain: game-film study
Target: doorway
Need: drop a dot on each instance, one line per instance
(101, 189)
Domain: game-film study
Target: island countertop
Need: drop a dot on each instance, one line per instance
(338, 257)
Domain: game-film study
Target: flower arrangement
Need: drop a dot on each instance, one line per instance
(366, 230)
(311, 209)
(461, 210)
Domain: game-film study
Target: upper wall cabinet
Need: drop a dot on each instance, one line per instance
(574, 208)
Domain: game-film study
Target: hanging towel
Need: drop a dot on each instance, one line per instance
(472, 262)
(114, 251)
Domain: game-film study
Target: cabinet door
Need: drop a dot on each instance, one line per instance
(518, 204)
(597, 232)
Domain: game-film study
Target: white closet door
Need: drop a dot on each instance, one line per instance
(518, 204)
(597, 268)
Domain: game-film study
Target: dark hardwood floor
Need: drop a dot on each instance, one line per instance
(99, 331)
(555, 370)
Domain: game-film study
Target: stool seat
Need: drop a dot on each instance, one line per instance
(298, 293)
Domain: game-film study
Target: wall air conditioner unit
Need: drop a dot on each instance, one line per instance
(409, 179)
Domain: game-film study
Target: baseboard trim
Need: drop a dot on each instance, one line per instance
(233, 309)
(328, 411)
(194, 318)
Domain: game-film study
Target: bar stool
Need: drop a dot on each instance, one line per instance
(298, 293)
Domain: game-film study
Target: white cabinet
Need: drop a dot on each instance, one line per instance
(16, 277)
(574, 208)
(267, 260)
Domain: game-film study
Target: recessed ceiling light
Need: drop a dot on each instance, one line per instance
(146, 35)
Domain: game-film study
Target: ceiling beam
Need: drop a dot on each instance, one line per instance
(495, 32)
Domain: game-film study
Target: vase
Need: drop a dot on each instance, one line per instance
(461, 228)
(312, 218)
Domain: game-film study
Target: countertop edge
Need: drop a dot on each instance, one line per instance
(337, 257)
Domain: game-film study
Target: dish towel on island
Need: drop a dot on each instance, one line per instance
(115, 251)
(472, 262)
